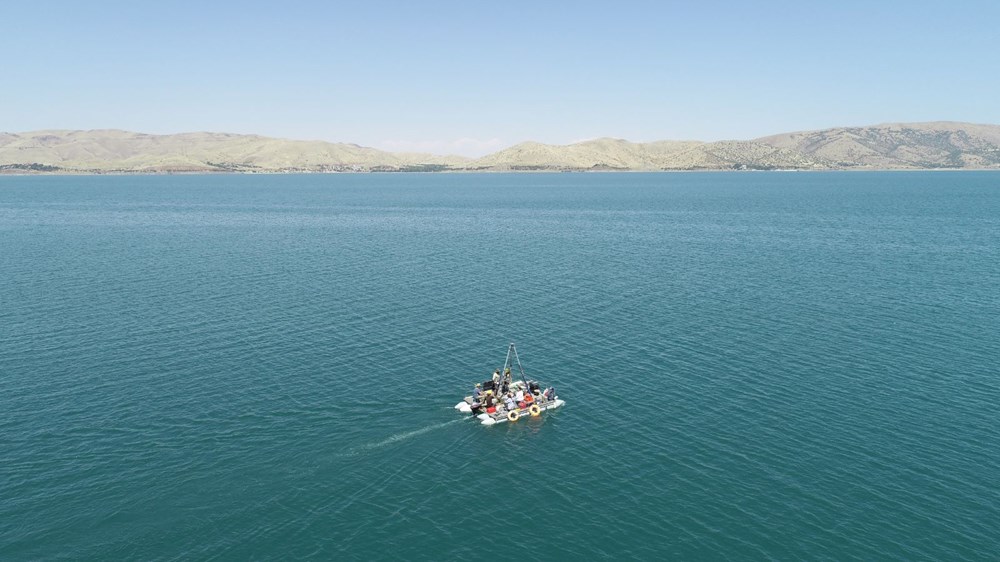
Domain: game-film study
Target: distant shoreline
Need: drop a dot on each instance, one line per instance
(898, 146)
(474, 172)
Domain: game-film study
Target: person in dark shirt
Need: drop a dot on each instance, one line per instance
(477, 392)
(506, 381)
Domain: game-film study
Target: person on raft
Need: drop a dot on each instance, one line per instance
(508, 401)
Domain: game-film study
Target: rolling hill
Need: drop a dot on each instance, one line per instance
(937, 145)
(899, 145)
(123, 151)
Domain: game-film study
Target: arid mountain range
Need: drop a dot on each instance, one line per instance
(938, 145)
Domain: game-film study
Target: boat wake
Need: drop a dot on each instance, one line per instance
(367, 448)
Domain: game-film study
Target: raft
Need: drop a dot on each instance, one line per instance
(531, 408)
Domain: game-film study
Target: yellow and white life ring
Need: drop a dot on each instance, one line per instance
(534, 410)
(513, 415)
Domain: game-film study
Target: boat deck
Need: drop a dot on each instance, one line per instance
(502, 413)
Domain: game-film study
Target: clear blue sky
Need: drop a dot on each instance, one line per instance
(472, 77)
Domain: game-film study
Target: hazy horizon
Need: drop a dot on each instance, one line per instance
(455, 78)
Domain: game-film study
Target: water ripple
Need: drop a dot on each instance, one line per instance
(756, 366)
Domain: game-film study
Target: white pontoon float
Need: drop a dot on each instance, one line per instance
(536, 401)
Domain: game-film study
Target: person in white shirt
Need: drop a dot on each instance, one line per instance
(509, 402)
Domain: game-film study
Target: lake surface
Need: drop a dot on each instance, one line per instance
(755, 365)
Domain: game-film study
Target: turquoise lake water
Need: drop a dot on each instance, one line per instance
(756, 366)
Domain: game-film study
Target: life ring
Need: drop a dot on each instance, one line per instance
(513, 415)
(535, 410)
